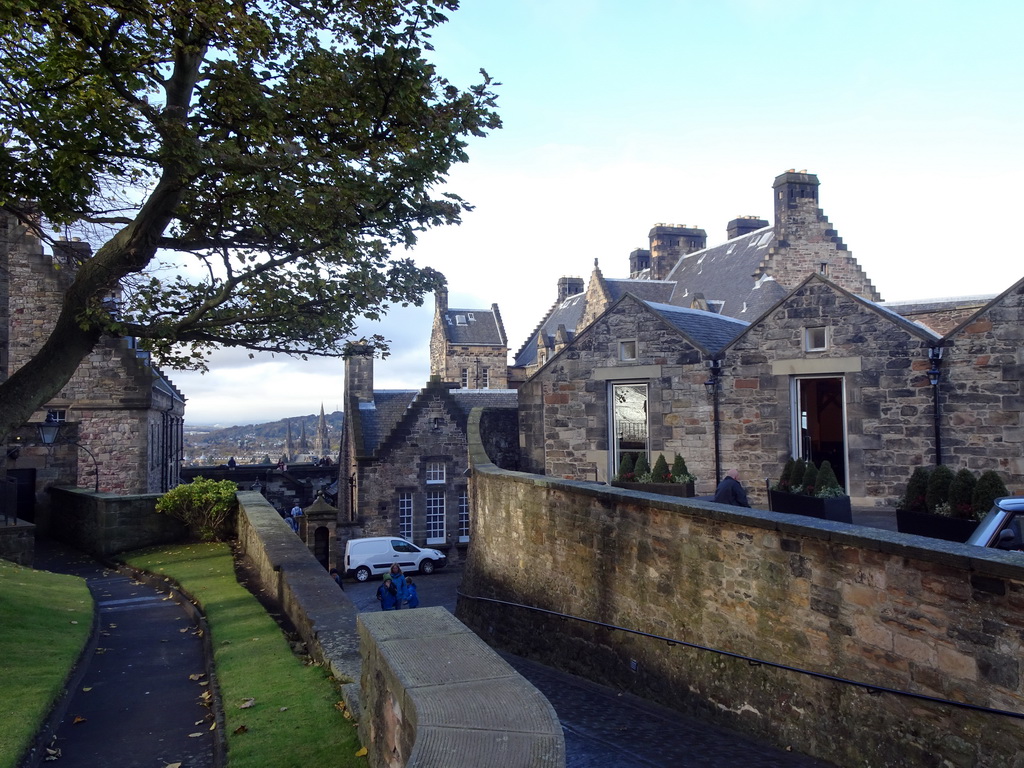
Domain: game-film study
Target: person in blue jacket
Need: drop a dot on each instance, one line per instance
(398, 579)
(387, 594)
(411, 598)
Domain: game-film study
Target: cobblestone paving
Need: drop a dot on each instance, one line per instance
(605, 728)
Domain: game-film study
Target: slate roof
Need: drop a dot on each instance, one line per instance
(567, 313)
(918, 306)
(479, 327)
(645, 290)
(379, 418)
(724, 276)
(710, 330)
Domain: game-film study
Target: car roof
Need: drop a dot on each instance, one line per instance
(1011, 503)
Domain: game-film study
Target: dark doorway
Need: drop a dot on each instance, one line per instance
(822, 423)
(322, 546)
(25, 504)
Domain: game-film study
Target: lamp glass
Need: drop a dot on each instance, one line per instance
(48, 432)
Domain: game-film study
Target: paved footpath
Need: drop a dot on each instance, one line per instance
(136, 704)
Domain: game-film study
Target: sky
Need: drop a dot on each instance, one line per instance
(619, 116)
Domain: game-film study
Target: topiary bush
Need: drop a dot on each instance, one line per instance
(810, 480)
(626, 468)
(680, 472)
(989, 488)
(937, 493)
(660, 473)
(827, 485)
(642, 468)
(961, 494)
(208, 507)
(917, 489)
(796, 478)
(784, 483)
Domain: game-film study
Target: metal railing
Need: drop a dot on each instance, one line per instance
(755, 662)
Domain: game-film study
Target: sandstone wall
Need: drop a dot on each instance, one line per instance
(886, 610)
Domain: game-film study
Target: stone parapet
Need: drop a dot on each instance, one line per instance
(935, 619)
(435, 696)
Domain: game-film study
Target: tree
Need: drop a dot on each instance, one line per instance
(273, 153)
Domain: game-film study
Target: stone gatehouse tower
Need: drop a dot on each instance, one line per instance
(118, 405)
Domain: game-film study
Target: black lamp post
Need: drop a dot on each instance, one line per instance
(711, 386)
(49, 434)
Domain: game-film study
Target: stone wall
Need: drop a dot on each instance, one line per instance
(104, 524)
(322, 613)
(982, 391)
(883, 609)
(564, 411)
(433, 694)
(882, 363)
(18, 542)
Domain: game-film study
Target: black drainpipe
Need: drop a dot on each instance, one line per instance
(934, 376)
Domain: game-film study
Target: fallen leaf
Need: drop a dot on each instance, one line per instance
(74, 622)
(213, 726)
(195, 735)
(248, 703)
(87, 689)
(173, 765)
(197, 676)
(241, 729)
(78, 719)
(361, 752)
(283, 709)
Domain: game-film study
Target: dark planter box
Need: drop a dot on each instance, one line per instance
(837, 510)
(935, 526)
(684, 490)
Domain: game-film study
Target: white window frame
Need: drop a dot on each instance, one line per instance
(463, 515)
(405, 515)
(815, 341)
(615, 454)
(465, 378)
(485, 376)
(435, 473)
(435, 516)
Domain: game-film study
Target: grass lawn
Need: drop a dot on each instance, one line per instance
(45, 619)
(279, 710)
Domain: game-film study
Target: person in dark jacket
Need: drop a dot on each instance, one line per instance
(387, 594)
(730, 490)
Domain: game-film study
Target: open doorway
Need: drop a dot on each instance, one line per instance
(820, 428)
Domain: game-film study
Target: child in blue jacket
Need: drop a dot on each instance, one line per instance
(411, 598)
(387, 594)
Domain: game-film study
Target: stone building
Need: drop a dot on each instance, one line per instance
(119, 407)
(404, 457)
(755, 267)
(468, 347)
(631, 381)
(823, 374)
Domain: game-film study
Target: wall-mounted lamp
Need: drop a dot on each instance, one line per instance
(49, 435)
(935, 357)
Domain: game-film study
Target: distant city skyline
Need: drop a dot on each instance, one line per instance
(620, 117)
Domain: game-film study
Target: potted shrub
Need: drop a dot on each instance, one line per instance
(817, 493)
(637, 475)
(989, 488)
(939, 504)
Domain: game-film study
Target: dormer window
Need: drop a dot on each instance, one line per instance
(460, 320)
(816, 339)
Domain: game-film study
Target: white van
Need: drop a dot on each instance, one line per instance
(375, 556)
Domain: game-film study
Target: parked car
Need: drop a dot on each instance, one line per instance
(1001, 527)
(374, 556)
